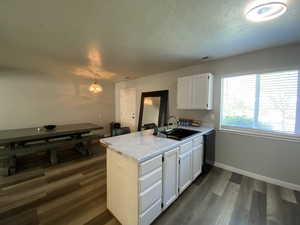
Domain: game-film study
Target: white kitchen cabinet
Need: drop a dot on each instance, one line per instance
(197, 156)
(170, 177)
(195, 92)
(134, 190)
(137, 192)
(184, 92)
(197, 161)
(185, 170)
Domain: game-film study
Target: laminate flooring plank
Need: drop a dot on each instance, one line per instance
(236, 178)
(208, 212)
(21, 177)
(76, 195)
(71, 198)
(288, 195)
(94, 171)
(189, 204)
(66, 168)
(81, 215)
(71, 171)
(26, 217)
(8, 208)
(228, 203)
(219, 208)
(113, 222)
(61, 192)
(258, 211)
(7, 199)
(242, 208)
(221, 185)
(23, 186)
(91, 179)
(95, 166)
(275, 209)
(69, 213)
(101, 219)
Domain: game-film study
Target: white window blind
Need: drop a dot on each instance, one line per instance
(265, 102)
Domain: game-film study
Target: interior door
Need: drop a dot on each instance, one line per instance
(170, 177)
(185, 171)
(128, 108)
(197, 160)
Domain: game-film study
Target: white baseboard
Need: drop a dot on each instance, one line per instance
(259, 177)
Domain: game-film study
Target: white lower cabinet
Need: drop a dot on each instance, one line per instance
(197, 161)
(150, 196)
(147, 217)
(185, 170)
(170, 177)
(138, 192)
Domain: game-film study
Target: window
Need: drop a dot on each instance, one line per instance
(265, 102)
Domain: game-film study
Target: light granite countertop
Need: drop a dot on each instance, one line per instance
(142, 145)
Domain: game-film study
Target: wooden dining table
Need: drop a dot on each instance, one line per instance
(17, 142)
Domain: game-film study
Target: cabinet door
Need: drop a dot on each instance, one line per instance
(184, 93)
(197, 161)
(200, 91)
(185, 170)
(170, 177)
(195, 92)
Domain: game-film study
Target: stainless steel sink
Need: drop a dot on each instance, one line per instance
(179, 133)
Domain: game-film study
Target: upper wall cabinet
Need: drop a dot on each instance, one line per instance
(195, 92)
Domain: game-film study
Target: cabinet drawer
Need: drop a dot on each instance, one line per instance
(150, 165)
(147, 217)
(186, 147)
(150, 179)
(150, 196)
(197, 141)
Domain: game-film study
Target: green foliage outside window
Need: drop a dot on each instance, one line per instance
(244, 122)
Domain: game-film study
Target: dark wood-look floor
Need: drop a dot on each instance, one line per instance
(73, 192)
(225, 198)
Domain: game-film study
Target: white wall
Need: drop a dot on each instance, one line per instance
(273, 158)
(34, 99)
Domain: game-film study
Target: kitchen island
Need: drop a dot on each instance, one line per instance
(146, 173)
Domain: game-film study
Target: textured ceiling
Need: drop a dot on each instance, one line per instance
(129, 38)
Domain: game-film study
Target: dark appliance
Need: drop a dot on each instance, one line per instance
(209, 151)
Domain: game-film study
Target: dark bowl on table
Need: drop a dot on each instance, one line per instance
(50, 127)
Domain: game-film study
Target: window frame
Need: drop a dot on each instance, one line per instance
(261, 132)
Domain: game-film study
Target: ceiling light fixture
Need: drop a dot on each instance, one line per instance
(95, 88)
(264, 11)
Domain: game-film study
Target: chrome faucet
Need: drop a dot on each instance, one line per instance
(155, 130)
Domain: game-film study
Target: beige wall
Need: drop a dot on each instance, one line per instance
(273, 158)
(35, 99)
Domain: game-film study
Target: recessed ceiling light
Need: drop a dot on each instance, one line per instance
(266, 11)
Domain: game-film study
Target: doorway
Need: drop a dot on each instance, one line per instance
(128, 108)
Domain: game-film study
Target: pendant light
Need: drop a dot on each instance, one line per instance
(95, 88)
